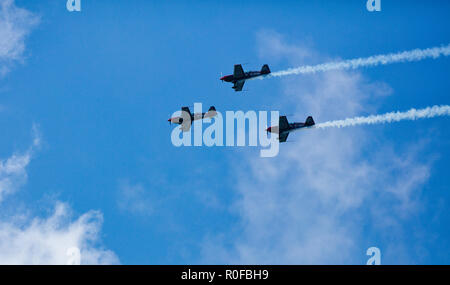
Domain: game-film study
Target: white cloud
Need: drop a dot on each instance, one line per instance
(15, 25)
(277, 49)
(33, 240)
(47, 241)
(13, 169)
(312, 203)
(12, 173)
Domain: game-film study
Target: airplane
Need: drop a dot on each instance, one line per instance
(284, 127)
(239, 76)
(187, 116)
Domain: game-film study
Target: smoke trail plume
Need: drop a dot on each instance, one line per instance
(412, 114)
(406, 56)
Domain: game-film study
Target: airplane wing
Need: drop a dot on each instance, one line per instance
(238, 85)
(238, 71)
(283, 137)
(283, 123)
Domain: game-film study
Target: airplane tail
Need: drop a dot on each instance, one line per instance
(265, 69)
(309, 122)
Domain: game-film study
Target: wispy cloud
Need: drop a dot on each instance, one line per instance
(15, 25)
(13, 172)
(133, 199)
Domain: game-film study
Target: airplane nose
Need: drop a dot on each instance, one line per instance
(268, 129)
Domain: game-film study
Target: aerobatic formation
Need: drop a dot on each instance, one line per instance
(284, 128)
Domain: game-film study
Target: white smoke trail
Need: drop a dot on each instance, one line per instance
(413, 55)
(412, 114)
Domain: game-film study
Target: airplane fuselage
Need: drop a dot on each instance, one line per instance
(247, 75)
(239, 77)
(194, 117)
(291, 127)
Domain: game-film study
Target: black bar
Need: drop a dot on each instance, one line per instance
(231, 274)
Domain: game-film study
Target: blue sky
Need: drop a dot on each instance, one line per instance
(97, 86)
